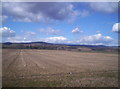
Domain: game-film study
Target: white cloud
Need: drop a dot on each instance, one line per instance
(106, 7)
(116, 27)
(77, 30)
(30, 33)
(3, 18)
(18, 39)
(84, 13)
(50, 31)
(59, 39)
(39, 11)
(6, 32)
(97, 39)
(28, 36)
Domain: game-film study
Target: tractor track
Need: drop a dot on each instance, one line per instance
(14, 60)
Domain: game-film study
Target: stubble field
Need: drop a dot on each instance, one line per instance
(55, 68)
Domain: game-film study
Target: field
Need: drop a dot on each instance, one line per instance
(57, 68)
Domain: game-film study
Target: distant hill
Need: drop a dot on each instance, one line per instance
(53, 46)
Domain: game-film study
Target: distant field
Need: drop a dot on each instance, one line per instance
(56, 68)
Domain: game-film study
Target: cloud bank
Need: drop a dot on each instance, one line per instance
(39, 11)
(97, 39)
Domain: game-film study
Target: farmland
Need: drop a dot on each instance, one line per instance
(58, 68)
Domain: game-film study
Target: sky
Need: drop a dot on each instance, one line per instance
(88, 23)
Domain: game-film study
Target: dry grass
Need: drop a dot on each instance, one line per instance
(52, 68)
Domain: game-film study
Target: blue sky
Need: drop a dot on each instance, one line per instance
(91, 23)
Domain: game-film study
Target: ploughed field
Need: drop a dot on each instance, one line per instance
(56, 68)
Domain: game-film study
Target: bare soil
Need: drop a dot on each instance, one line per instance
(55, 68)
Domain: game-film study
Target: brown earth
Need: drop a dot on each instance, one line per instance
(55, 68)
